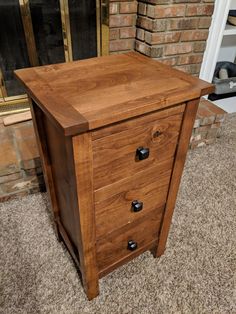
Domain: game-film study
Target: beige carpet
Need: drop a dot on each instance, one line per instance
(196, 274)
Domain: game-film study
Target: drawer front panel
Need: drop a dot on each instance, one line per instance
(114, 247)
(115, 156)
(113, 204)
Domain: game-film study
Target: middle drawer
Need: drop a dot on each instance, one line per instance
(125, 201)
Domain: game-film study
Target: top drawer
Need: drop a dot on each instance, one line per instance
(115, 148)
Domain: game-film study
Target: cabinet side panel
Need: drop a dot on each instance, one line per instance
(61, 159)
(37, 117)
(85, 216)
(181, 152)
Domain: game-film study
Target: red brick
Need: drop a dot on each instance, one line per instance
(33, 172)
(198, 9)
(21, 184)
(26, 141)
(164, 11)
(180, 24)
(190, 59)
(156, 52)
(196, 144)
(213, 109)
(121, 45)
(216, 125)
(8, 157)
(114, 8)
(142, 8)
(197, 35)
(161, 38)
(220, 118)
(169, 61)
(28, 148)
(207, 117)
(140, 34)
(30, 164)
(175, 49)
(23, 130)
(212, 133)
(205, 22)
(199, 46)
(127, 32)
(143, 48)
(128, 7)
(150, 24)
(114, 33)
(189, 68)
(10, 177)
(145, 22)
(122, 20)
(10, 196)
(151, 51)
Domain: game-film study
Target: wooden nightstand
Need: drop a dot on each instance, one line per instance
(113, 133)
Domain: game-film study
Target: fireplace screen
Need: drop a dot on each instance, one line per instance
(40, 32)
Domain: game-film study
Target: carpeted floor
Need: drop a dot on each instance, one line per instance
(197, 274)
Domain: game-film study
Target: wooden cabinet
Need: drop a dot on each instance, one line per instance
(113, 134)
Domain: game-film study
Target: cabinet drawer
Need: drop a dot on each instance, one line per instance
(115, 156)
(113, 248)
(113, 203)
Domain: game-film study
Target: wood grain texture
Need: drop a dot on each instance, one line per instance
(57, 159)
(113, 203)
(88, 94)
(70, 247)
(148, 247)
(112, 248)
(37, 117)
(115, 155)
(56, 107)
(138, 121)
(61, 159)
(204, 87)
(186, 130)
(85, 218)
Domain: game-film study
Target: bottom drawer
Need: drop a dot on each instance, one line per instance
(128, 241)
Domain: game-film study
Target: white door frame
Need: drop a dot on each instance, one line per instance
(215, 37)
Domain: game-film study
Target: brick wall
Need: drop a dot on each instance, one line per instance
(174, 31)
(123, 16)
(20, 166)
(208, 124)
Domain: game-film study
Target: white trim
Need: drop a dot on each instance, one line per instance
(216, 33)
(229, 30)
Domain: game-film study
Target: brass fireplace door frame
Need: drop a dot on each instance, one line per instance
(20, 103)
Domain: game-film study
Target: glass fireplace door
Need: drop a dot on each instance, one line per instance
(40, 32)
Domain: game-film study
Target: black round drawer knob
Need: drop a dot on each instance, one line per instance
(136, 206)
(142, 153)
(132, 245)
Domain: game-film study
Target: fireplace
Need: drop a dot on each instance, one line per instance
(40, 32)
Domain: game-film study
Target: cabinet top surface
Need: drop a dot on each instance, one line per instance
(87, 94)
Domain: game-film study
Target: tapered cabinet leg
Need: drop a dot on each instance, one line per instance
(186, 130)
(91, 285)
(85, 214)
